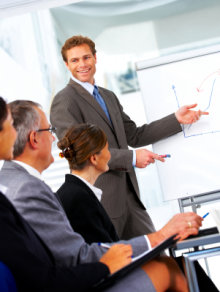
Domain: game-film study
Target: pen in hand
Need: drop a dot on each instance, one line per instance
(108, 246)
(165, 156)
(205, 215)
(104, 245)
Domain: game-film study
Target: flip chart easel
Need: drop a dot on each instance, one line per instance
(168, 83)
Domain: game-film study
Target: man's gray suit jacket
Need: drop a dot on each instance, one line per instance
(36, 202)
(74, 105)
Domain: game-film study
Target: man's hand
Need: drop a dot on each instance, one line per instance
(182, 224)
(185, 115)
(144, 157)
(117, 257)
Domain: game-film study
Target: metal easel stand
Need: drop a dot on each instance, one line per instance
(195, 202)
(190, 258)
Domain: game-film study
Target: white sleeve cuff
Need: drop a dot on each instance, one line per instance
(148, 242)
(134, 158)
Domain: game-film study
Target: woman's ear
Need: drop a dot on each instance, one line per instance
(93, 159)
(33, 139)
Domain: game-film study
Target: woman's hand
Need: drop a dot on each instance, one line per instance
(118, 256)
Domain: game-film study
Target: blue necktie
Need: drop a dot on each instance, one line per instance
(100, 100)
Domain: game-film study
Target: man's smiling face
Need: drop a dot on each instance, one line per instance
(81, 63)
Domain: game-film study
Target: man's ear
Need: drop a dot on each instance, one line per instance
(33, 139)
(66, 65)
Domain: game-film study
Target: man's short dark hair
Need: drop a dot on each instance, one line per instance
(76, 41)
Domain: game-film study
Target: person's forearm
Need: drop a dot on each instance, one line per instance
(121, 159)
(156, 238)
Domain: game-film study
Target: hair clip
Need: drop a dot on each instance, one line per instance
(61, 155)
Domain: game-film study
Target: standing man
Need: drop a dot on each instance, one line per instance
(82, 101)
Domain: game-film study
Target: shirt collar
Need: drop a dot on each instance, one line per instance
(86, 85)
(3, 189)
(95, 190)
(29, 169)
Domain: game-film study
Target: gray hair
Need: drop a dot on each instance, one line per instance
(26, 119)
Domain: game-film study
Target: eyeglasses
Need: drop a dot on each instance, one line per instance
(52, 130)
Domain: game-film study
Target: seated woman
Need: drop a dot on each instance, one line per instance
(86, 148)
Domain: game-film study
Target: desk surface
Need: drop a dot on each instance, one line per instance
(198, 241)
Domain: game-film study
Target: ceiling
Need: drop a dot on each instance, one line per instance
(151, 8)
(14, 7)
(91, 17)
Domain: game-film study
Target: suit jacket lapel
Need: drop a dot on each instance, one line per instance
(91, 101)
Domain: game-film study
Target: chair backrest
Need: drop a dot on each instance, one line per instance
(7, 281)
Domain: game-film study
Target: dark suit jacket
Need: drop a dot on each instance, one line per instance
(31, 262)
(85, 212)
(74, 105)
